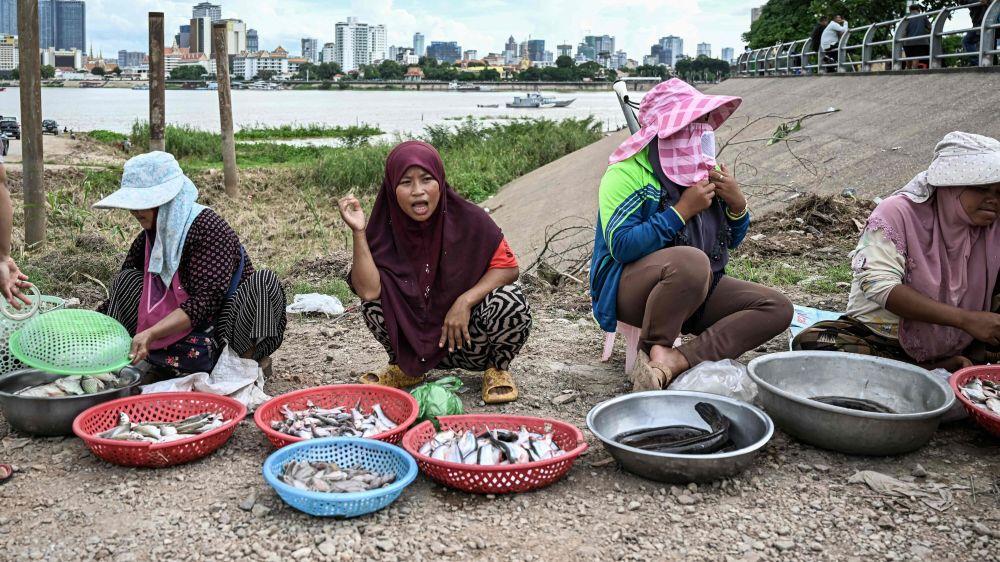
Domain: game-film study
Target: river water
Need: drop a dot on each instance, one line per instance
(406, 112)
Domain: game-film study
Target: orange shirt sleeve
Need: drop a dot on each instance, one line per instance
(504, 257)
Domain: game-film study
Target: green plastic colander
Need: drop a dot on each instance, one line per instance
(72, 342)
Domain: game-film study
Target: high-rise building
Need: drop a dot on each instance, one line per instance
(618, 60)
(130, 58)
(353, 40)
(8, 52)
(536, 50)
(46, 24)
(755, 13)
(207, 10)
(201, 35)
(585, 53)
(253, 42)
(377, 43)
(510, 51)
(728, 54)
(329, 53)
(419, 46)
(8, 17)
(183, 37)
(236, 36)
(71, 25)
(704, 50)
(444, 51)
(675, 46)
(600, 44)
(471, 54)
(310, 49)
(564, 50)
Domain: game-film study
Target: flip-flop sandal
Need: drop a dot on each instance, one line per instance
(6, 471)
(493, 380)
(649, 375)
(392, 376)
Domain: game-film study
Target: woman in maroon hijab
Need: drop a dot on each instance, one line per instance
(435, 277)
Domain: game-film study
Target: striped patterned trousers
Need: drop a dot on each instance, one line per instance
(252, 318)
(499, 326)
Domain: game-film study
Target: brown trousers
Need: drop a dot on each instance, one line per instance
(663, 290)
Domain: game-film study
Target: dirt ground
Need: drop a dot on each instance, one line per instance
(794, 503)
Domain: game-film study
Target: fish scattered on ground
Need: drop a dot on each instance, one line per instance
(332, 422)
(491, 447)
(684, 439)
(319, 476)
(984, 394)
(162, 432)
(72, 385)
(860, 404)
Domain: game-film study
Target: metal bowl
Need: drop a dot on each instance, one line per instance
(751, 430)
(787, 382)
(52, 416)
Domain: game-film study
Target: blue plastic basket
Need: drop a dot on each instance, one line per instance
(346, 452)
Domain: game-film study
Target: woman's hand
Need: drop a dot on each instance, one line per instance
(11, 283)
(984, 326)
(695, 199)
(728, 189)
(140, 346)
(455, 331)
(352, 213)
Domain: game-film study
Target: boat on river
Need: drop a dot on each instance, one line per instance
(535, 100)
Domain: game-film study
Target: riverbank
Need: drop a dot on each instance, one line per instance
(639, 85)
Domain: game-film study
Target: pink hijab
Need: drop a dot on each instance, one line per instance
(669, 111)
(947, 259)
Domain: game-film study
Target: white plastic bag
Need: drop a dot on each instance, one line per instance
(233, 376)
(725, 378)
(315, 302)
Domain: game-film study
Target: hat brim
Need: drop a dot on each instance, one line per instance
(138, 199)
(965, 169)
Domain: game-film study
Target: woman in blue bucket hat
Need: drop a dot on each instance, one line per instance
(188, 287)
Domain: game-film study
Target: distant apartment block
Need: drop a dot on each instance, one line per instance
(253, 41)
(357, 44)
(310, 49)
(207, 10)
(704, 50)
(445, 51)
(419, 44)
(728, 54)
(130, 59)
(8, 52)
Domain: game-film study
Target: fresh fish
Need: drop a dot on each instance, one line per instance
(162, 432)
(492, 447)
(314, 421)
(860, 404)
(72, 385)
(319, 476)
(683, 439)
(993, 405)
(983, 393)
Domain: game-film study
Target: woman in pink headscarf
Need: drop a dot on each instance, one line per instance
(925, 269)
(668, 217)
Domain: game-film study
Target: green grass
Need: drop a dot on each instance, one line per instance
(308, 131)
(777, 273)
(333, 286)
(107, 137)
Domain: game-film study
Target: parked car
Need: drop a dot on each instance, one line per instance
(10, 127)
(50, 126)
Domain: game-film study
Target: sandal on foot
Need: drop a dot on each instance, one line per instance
(498, 386)
(649, 375)
(392, 376)
(5, 472)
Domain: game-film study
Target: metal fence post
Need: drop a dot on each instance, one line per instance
(897, 45)
(866, 49)
(988, 36)
(937, 47)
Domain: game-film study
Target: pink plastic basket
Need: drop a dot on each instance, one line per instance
(165, 406)
(503, 479)
(988, 420)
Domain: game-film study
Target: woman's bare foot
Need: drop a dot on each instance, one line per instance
(671, 358)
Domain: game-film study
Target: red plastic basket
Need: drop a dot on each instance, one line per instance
(398, 405)
(503, 479)
(164, 406)
(988, 420)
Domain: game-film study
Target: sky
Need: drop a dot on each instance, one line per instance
(483, 25)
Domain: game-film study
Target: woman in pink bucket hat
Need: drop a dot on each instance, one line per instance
(668, 217)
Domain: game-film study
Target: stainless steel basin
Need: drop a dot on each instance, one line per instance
(52, 416)
(788, 380)
(751, 430)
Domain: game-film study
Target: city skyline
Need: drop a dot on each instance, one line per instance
(115, 25)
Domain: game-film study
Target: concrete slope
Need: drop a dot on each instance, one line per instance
(884, 134)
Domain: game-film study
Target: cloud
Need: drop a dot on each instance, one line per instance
(483, 25)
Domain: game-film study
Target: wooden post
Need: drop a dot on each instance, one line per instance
(157, 75)
(225, 109)
(29, 65)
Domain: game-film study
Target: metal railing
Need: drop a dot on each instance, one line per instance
(881, 47)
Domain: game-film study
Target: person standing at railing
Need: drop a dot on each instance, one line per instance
(830, 39)
(970, 43)
(917, 25)
(817, 38)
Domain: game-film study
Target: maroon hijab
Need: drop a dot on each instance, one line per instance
(425, 266)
